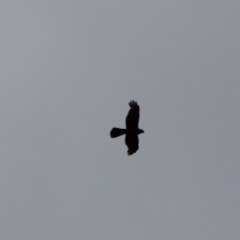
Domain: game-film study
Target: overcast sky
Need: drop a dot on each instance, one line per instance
(68, 71)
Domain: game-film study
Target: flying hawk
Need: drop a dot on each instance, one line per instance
(131, 130)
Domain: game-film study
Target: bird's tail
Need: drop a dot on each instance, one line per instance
(116, 132)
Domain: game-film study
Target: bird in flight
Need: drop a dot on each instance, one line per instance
(131, 130)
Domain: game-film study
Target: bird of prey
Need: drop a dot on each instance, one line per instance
(131, 130)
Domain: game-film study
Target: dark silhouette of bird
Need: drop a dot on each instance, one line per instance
(132, 131)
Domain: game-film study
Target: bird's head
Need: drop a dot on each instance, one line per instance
(140, 131)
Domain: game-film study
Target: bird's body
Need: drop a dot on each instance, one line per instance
(132, 131)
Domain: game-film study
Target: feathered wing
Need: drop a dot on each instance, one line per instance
(131, 141)
(132, 118)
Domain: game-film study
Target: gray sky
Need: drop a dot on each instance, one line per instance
(68, 71)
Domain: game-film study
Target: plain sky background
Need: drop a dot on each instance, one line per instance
(68, 71)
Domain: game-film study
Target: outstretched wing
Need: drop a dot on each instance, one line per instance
(131, 141)
(132, 118)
